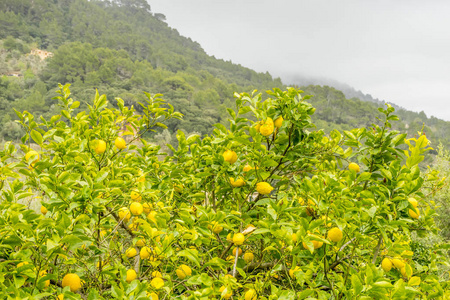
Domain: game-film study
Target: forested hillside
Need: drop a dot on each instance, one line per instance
(122, 48)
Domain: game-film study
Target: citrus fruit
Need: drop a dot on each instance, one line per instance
(215, 227)
(156, 274)
(131, 275)
(225, 294)
(145, 252)
(140, 243)
(294, 238)
(131, 252)
(100, 147)
(230, 237)
(152, 296)
(292, 271)
(248, 257)
(73, 281)
(238, 183)
(247, 168)
(43, 209)
(157, 283)
(250, 295)
(152, 216)
(238, 239)
(398, 263)
(413, 202)
(230, 156)
(147, 207)
(124, 214)
(136, 208)
(183, 271)
(386, 264)
(234, 251)
(278, 122)
(263, 188)
(414, 213)
(42, 274)
(335, 234)
(135, 196)
(266, 130)
(354, 167)
(30, 154)
(120, 143)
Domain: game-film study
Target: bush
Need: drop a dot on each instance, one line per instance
(267, 208)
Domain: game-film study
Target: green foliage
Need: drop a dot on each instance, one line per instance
(296, 186)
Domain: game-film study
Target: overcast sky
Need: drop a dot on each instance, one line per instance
(398, 51)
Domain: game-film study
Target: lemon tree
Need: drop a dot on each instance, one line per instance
(262, 209)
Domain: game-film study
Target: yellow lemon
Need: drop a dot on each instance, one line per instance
(183, 271)
(354, 167)
(238, 183)
(292, 271)
(234, 251)
(266, 130)
(120, 143)
(413, 202)
(135, 196)
(230, 156)
(238, 239)
(124, 214)
(152, 296)
(247, 168)
(156, 274)
(157, 283)
(131, 275)
(73, 281)
(60, 297)
(30, 154)
(100, 147)
(43, 209)
(398, 263)
(414, 214)
(215, 227)
(335, 234)
(278, 122)
(140, 243)
(263, 188)
(230, 237)
(225, 294)
(294, 238)
(316, 244)
(145, 252)
(386, 264)
(131, 252)
(152, 216)
(248, 257)
(136, 208)
(250, 295)
(147, 207)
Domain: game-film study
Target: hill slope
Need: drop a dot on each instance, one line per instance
(121, 48)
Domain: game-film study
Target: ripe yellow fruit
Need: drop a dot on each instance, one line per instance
(147, 207)
(152, 216)
(140, 243)
(248, 257)
(238, 239)
(215, 227)
(157, 283)
(238, 183)
(60, 297)
(414, 214)
(294, 238)
(278, 122)
(250, 295)
(398, 263)
(413, 202)
(120, 143)
(183, 271)
(156, 274)
(135, 196)
(100, 147)
(131, 275)
(152, 296)
(124, 214)
(263, 188)
(230, 156)
(43, 209)
(247, 168)
(131, 252)
(335, 235)
(136, 208)
(73, 281)
(42, 274)
(22, 264)
(230, 237)
(266, 130)
(292, 271)
(234, 251)
(316, 244)
(354, 167)
(403, 271)
(227, 294)
(145, 252)
(30, 154)
(386, 264)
